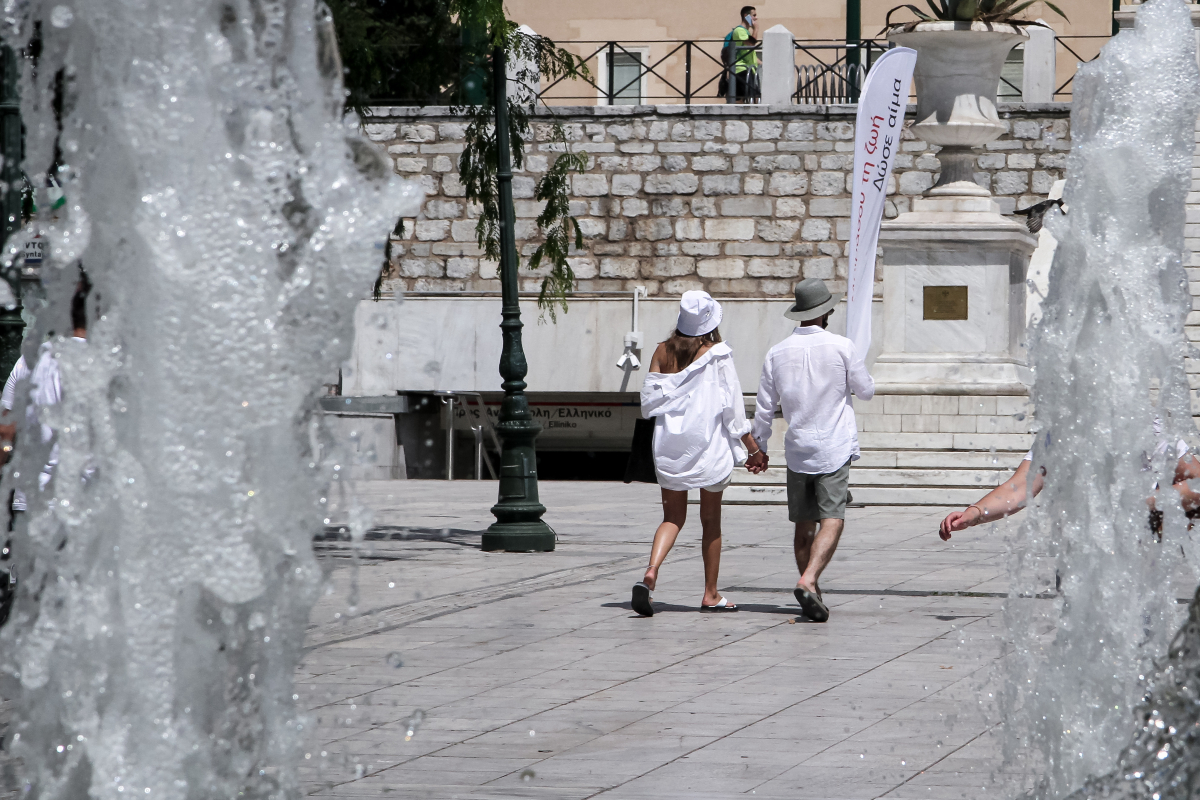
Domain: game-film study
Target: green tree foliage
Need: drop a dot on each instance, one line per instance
(411, 49)
(533, 57)
(402, 51)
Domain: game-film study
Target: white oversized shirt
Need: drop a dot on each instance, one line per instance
(699, 418)
(810, 375)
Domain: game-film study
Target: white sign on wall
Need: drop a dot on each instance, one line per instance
(569, 420)
(880, 121)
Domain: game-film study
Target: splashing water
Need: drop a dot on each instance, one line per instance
(229, 220)
(1162, 762)
(1109, 355)
(412, 724)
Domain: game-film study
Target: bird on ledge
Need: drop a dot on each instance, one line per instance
(1034, 214)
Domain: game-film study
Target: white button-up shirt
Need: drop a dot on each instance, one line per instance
(810, 375)
(699, 417)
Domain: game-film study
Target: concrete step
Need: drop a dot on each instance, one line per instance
(977, 479)
(1013, 442)
(924, 459)
(866, 495)
(939, 459)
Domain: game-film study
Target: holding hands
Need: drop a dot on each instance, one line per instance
(757, 460)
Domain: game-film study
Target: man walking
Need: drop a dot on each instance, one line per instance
(810, 375)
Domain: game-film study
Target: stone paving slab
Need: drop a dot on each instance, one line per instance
(537, 680)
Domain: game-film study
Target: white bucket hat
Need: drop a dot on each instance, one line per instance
(698, 313)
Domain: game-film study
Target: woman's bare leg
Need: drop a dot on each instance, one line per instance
(674, 515)
(710, 544)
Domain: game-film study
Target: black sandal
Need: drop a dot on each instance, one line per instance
(811, 604)
(641, 600)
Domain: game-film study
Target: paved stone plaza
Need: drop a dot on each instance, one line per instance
(537, 680)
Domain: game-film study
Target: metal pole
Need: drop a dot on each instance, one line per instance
(731, 76)
(518, 526)
(687, 73)
(478, 451)
(853, 41)
(449, 437)
(612, 51)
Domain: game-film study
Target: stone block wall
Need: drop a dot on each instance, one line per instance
(1192, 265)
(737, 200)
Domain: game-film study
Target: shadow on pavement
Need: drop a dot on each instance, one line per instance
(754, 608)
(394, 533)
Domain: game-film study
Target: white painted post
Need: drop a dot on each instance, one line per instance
(523, 92)
(778, 66)
(1038, 78)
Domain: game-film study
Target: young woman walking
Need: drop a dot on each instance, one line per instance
(700, 434)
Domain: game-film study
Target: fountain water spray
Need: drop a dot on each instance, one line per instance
(1109, 358)
(230, 221)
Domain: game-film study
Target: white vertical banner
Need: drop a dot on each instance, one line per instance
(880, 121)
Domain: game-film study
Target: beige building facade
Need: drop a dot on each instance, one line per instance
(653, 35)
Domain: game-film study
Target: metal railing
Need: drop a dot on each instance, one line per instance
(832, 71)
(702, 69)
(1081, 48)
(449, 399)
(828, 71)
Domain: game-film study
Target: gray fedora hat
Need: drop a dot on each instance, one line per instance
(813, 300)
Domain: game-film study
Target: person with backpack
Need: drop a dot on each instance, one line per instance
(700, 435)
(747, 88)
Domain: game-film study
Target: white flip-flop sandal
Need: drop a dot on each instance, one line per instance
(720, 607)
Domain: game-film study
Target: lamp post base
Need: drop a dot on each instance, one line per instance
(533, 536)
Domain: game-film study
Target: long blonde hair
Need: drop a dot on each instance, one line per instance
(680, 350)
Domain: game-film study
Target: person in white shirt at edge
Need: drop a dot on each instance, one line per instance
(810, 375)
(45, 389)
(700, 434)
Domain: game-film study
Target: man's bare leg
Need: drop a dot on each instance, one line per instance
(802, 543)
(814, 547)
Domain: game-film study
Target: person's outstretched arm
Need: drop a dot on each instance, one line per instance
(1007, 498)
(1187, 468)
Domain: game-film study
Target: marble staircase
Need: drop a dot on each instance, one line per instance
(916, 450)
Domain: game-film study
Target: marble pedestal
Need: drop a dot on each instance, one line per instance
(947, 250)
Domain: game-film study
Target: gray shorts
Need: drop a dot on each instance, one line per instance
(817, 497)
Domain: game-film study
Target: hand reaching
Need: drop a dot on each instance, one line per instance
(955, 521)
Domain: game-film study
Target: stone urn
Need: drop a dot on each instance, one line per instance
(957, 74)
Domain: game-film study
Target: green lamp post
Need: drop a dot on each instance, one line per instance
(11, 145)
(853, 45)
(518, 526)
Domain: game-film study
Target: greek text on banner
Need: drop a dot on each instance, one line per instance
(881, 107)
